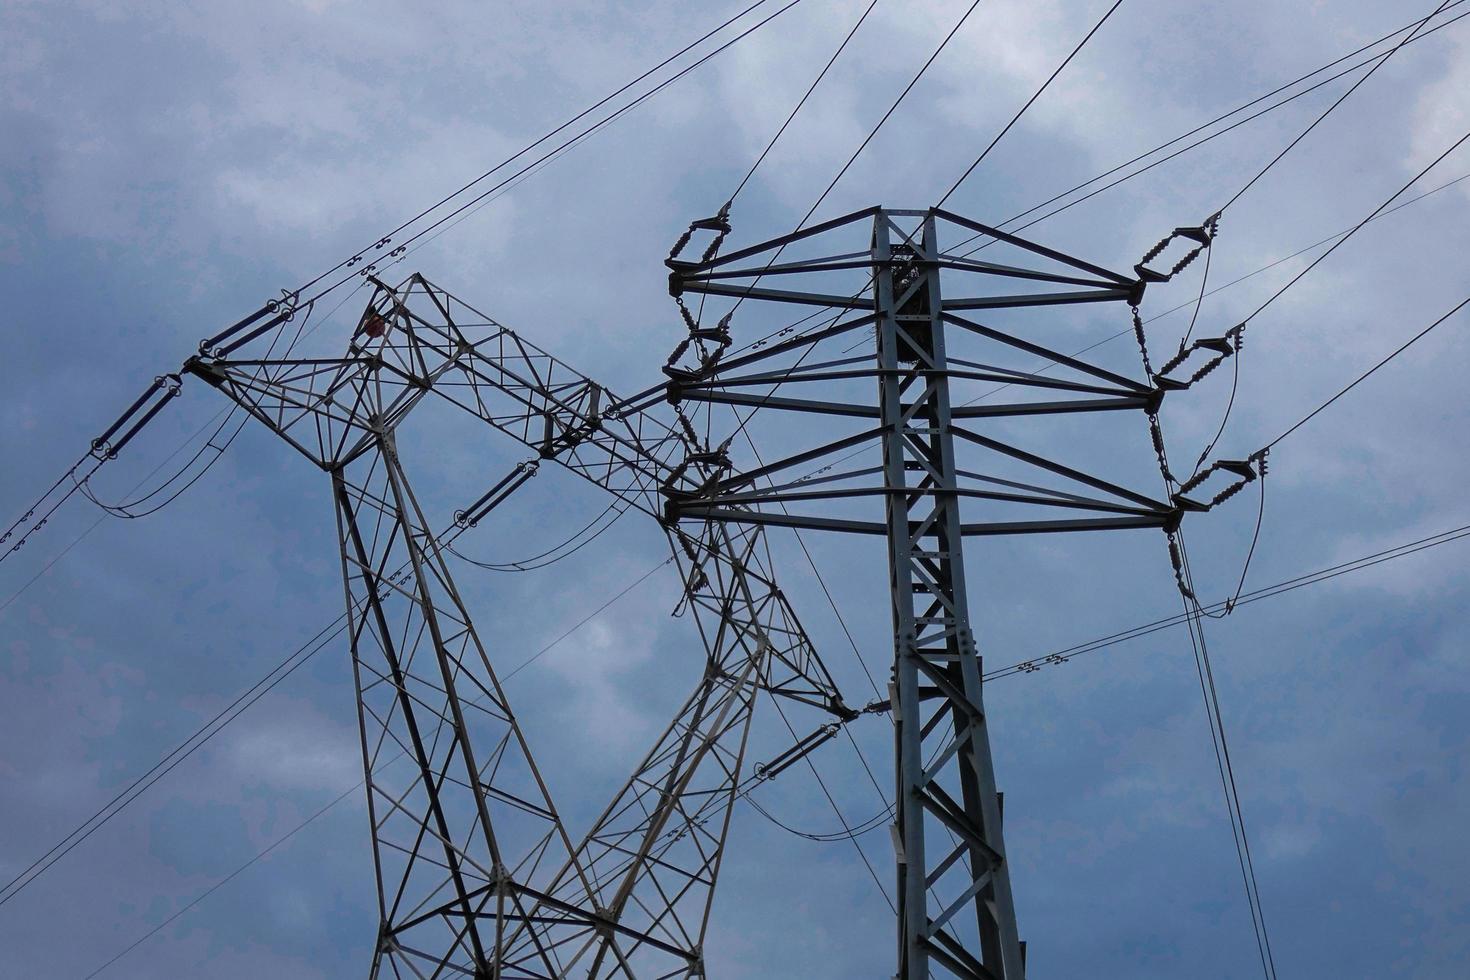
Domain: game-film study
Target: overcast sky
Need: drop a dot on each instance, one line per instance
(165, 168)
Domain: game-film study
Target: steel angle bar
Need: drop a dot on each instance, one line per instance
(1031, 246)
(1046, 352)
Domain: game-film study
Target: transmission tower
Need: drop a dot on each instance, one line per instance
(476, 873)
(956, 915)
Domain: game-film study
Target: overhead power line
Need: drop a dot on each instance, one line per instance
(1067, 654)
(232, 711)
(96, 460)
(1368, 373)
(1035, 95)
(1371, 60)
(758, 342)
(1354, 230)
(261, 855)
(543, 138)
(802, 101)
(1440, 8)
(1058, 657)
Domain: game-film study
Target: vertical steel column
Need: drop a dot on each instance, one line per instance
(941, 840)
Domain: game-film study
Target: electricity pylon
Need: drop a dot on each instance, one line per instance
(476, 873)
(955, 908)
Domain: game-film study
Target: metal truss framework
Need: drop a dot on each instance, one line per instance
(956, 915)
(476, 873)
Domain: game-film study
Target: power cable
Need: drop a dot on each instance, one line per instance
(1368, 373)
(1340, 100)
(1226, 767)
(1064, 655)
(541, 560)
(1299, 252)
(178, 754)
(1035, 95)
(549, 134)
(1354, 230)
(1197, 143)
(587, 132)
(294, 298)
(1215, 718)
(891, 109)
(230, 713)
(221, 883)
(1244, 106)
(846, 827)
(852, 833)
(1128, 331)
(1419, 37)
(1067, 654)
(1046, 365)
(801, 102)
(872, 133)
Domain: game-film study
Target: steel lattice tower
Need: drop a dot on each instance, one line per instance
(951, 859)
(477, 874)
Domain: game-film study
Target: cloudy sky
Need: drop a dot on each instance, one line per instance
(165, 168)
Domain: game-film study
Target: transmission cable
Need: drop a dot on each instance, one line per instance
(1223, 760)
(756, 344)
(1354, 230)
(1031, 666)
(801, 102)
(221, 883)
(1067, 654)
(872, 133)
(170, 760)
(1194, 618)
(1046, 365)
(1022, 111)
(1197, 143)
(1009, 221)
(846, 827)
(1340, 100)
(1241, 108)
(542, 139)
(294, 298)
(539, 561)
(1128, 331)
(851, 833)
(232, 711)
(1368, 373)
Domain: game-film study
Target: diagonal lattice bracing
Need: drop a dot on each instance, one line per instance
(464, 830)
